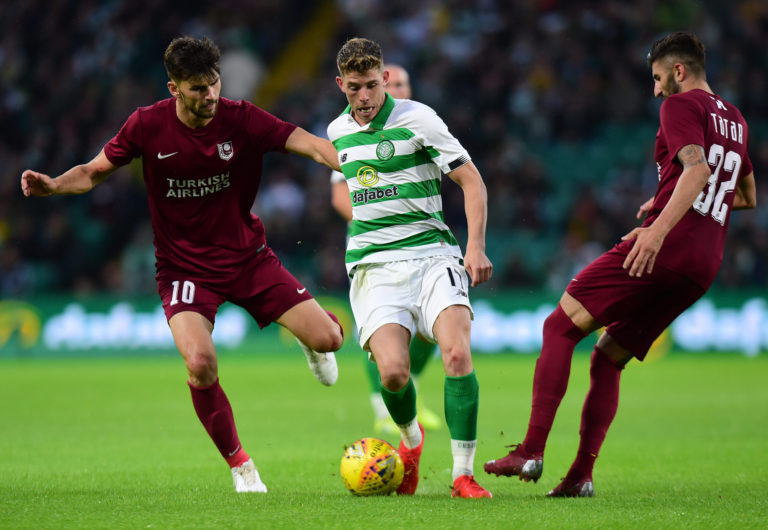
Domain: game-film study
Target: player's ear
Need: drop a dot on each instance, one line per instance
(340, 83)
(679, 71)
(173, 89)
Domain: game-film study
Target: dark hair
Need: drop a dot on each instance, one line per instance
(187, 58)
(359, 55)
(682, 45)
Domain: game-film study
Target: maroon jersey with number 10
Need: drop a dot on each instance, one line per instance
(694, 247)
(201, 183)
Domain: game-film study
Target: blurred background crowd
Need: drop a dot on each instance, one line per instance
(553, 100)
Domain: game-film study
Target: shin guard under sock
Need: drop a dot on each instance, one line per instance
(550, 379)
(215, 413)
(598, 413)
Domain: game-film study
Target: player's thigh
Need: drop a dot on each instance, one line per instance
(452, 331)
(181, 292)
(608, 293)
(311, 325)
(443, 284)
(389, 349)
(192, 335)
(672, 296)
(379, 295)
(267, 290)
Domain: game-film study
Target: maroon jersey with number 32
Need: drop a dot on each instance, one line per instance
(201, 183)
(694, 247)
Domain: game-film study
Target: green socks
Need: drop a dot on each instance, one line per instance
(402, 404)
(462, 396)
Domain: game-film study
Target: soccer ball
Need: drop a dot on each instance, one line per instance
(371, 467)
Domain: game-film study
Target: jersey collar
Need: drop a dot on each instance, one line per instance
(381, 118)
(386, 109)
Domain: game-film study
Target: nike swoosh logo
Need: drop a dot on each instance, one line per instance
(160, 156)
(301, 291)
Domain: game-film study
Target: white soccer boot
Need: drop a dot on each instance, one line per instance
(247, 479)
(323, 365)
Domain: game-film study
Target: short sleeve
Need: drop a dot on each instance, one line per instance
(266, 130)
(681, 124)
(126, 144)
(446, 151)
(336, 176)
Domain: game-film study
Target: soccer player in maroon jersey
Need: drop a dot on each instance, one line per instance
(658, 270)
(202, 162)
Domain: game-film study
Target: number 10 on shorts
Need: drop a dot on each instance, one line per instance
(187, 292)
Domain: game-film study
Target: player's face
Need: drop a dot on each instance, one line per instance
(199, 97)
(399, 86)
(365, 93)
(664, 79)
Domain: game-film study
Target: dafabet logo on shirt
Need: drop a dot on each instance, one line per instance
(367, 176)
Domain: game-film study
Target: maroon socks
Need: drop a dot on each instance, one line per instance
(599, 410)
(550, 379)
(215, 413)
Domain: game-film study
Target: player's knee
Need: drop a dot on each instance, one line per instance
(394, 379)
(552, 323)
(327, 340)
(337, 339)
(457, 360)
(202, 368)
(330, 338)
(610, 350)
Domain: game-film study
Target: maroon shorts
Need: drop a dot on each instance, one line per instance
(635, 311)
(264, 288)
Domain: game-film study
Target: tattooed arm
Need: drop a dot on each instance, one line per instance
(649, 239)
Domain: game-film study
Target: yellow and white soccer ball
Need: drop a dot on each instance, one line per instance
(371, 467)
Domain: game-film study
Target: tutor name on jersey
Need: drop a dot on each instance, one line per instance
(185, 188)
(371, 194)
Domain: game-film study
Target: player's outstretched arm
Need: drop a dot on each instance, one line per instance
(318, 149)
(340, 200)
(692, 180)
(476, 262)
(79, 179)
(746, 193)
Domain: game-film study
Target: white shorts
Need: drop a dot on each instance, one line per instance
(411, 293)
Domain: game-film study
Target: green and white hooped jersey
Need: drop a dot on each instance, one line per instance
(393, 167)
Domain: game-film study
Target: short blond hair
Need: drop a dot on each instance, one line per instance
(359, 55)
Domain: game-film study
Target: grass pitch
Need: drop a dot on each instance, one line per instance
(114, 443)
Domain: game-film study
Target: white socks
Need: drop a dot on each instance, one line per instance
(463, 457)
(410, 434)
(379, 408)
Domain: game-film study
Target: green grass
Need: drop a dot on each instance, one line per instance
(114, 443)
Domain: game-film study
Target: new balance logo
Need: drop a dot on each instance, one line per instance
(160, 156)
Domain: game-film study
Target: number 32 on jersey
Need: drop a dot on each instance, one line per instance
(710, 200)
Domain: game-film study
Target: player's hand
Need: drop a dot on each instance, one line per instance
(643, 254)
(37, 184)
(478, 266)
(645, 208)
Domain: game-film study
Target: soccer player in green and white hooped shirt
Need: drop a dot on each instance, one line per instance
(408, 274)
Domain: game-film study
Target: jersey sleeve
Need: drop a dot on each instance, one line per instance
(446, 151)
(266, 130)
(336, 176)
(126, 144)
(681, 121)
(746, 161)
